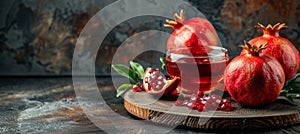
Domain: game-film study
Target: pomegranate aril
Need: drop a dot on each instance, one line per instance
(149, 86)
(152, 70)
(225, 105)
(156, 74)
(206, 97)
(227, 101)
(228, 105)
(222, 107)
(158, 87)
(178, 102)
(204, 103)
(159, 83)
(195, 105)
(200, 93)
(174, 92)
(200, 108)
(154, 86)
(136, 88)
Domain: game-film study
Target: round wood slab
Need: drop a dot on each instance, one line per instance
(145, 106)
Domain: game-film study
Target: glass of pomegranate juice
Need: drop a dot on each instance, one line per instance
(199, 68)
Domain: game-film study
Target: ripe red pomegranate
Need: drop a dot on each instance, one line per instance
(278, 47)
(254, 78)
(156, 83)
(190, 33)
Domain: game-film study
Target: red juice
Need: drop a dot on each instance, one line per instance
(197, 72)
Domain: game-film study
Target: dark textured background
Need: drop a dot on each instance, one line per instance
(38, 37)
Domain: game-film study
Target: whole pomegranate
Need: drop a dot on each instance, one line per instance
(278, 47)
(156, 83)
(190, 33)
(254, 78)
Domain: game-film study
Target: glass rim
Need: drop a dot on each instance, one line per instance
(223, 52)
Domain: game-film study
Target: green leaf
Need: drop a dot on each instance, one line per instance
(284, 92)
(163, 63)
(290, 98)
(292, 80)
(125, 71)
(123, 88)
(138, 69)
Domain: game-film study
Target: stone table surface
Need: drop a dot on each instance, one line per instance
(49, 105)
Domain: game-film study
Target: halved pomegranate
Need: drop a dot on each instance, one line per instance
(156, 83)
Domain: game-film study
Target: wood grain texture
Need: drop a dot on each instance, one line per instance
(277, 114)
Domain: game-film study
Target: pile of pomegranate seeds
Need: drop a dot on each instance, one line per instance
(204, 102)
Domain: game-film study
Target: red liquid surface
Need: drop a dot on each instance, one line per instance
(197, 73)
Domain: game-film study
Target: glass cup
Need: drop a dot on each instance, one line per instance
(199, 68)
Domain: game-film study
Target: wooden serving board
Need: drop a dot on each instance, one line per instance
(277, 114)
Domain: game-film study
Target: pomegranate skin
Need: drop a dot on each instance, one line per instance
(194, 32)
(254, 80)
(278, 47)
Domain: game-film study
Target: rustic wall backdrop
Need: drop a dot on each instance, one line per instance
(38, 37)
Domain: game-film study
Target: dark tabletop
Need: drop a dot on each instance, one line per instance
(49, 105)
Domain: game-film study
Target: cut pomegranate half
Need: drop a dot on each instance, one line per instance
(156, 83)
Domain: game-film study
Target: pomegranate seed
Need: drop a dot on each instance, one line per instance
(159, 82)
(227, 101)
(178, 103)
(136, 88)
(206, 97)
(200, 108)
(151, 71)
(228, 106)
(223, 107)
(195, 106)
(204, 102)
(200, 93)
(154, 86)
(174, 92)
(158, 87)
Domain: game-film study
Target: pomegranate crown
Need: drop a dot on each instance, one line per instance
(254, 49)
(271, 30)
(176, 23)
